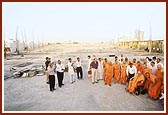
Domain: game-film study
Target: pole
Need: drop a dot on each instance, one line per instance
(17, 45)
(150, 42)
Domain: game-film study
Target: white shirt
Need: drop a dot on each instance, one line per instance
(155, 63)
(78, 64)
(131, 70)
(120, 62)
(89, 62)
(100, 65)
(149, 64)
(51, 70)
(121, 58)
(154, 70)
(59, 67)
(70, 68)
(160, 64)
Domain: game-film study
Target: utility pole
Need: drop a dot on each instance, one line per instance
(17, 44)
(33, 41)
(42, 39)
(26, 44)
(38, 42)
(22, 54)
(23, 40)
(150, 39)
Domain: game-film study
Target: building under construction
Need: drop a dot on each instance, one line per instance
(141, 44)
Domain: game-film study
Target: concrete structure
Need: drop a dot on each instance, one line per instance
(153, 45)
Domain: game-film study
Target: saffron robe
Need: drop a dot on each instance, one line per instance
(123, 74)
(137, 80)
(116, 72)
(154, 88)
(108, 72)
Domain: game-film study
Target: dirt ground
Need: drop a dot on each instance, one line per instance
(32, 93)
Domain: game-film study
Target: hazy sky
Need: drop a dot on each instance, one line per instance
(83, 21)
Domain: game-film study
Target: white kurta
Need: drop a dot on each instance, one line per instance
(100, 70)
(160, 64)
(89, 62)
(71, 72)
(154, 70)
(70, 68)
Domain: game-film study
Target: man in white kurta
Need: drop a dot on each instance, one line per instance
(159, 62)
(153, 68)
(100, 69)
(71, 72)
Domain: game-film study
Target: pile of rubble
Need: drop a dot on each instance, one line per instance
(27, 69)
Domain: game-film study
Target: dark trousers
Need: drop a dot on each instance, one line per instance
(52, 82)
(79, 70)
(60, 76)
(130, 76)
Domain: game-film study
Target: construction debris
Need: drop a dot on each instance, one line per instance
(27, 69)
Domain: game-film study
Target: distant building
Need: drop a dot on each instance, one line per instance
(139, 35)
(15, 46)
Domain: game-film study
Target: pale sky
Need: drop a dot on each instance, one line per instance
(60, 22)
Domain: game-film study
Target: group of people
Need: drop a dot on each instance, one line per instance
(59, 68)
(137, 76)
(149, 77)
(51, 69)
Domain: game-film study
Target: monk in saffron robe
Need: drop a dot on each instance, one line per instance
(146, 69)
(160, 76)
(136, 81)
(127, 61)
(154, 85)
(134, 62)
(123, 74)
(116, 70)
(104, 66)
(108, 72)
(139, 67)
(160, 72)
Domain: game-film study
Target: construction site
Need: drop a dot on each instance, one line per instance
(25, 87)
(121, 32)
